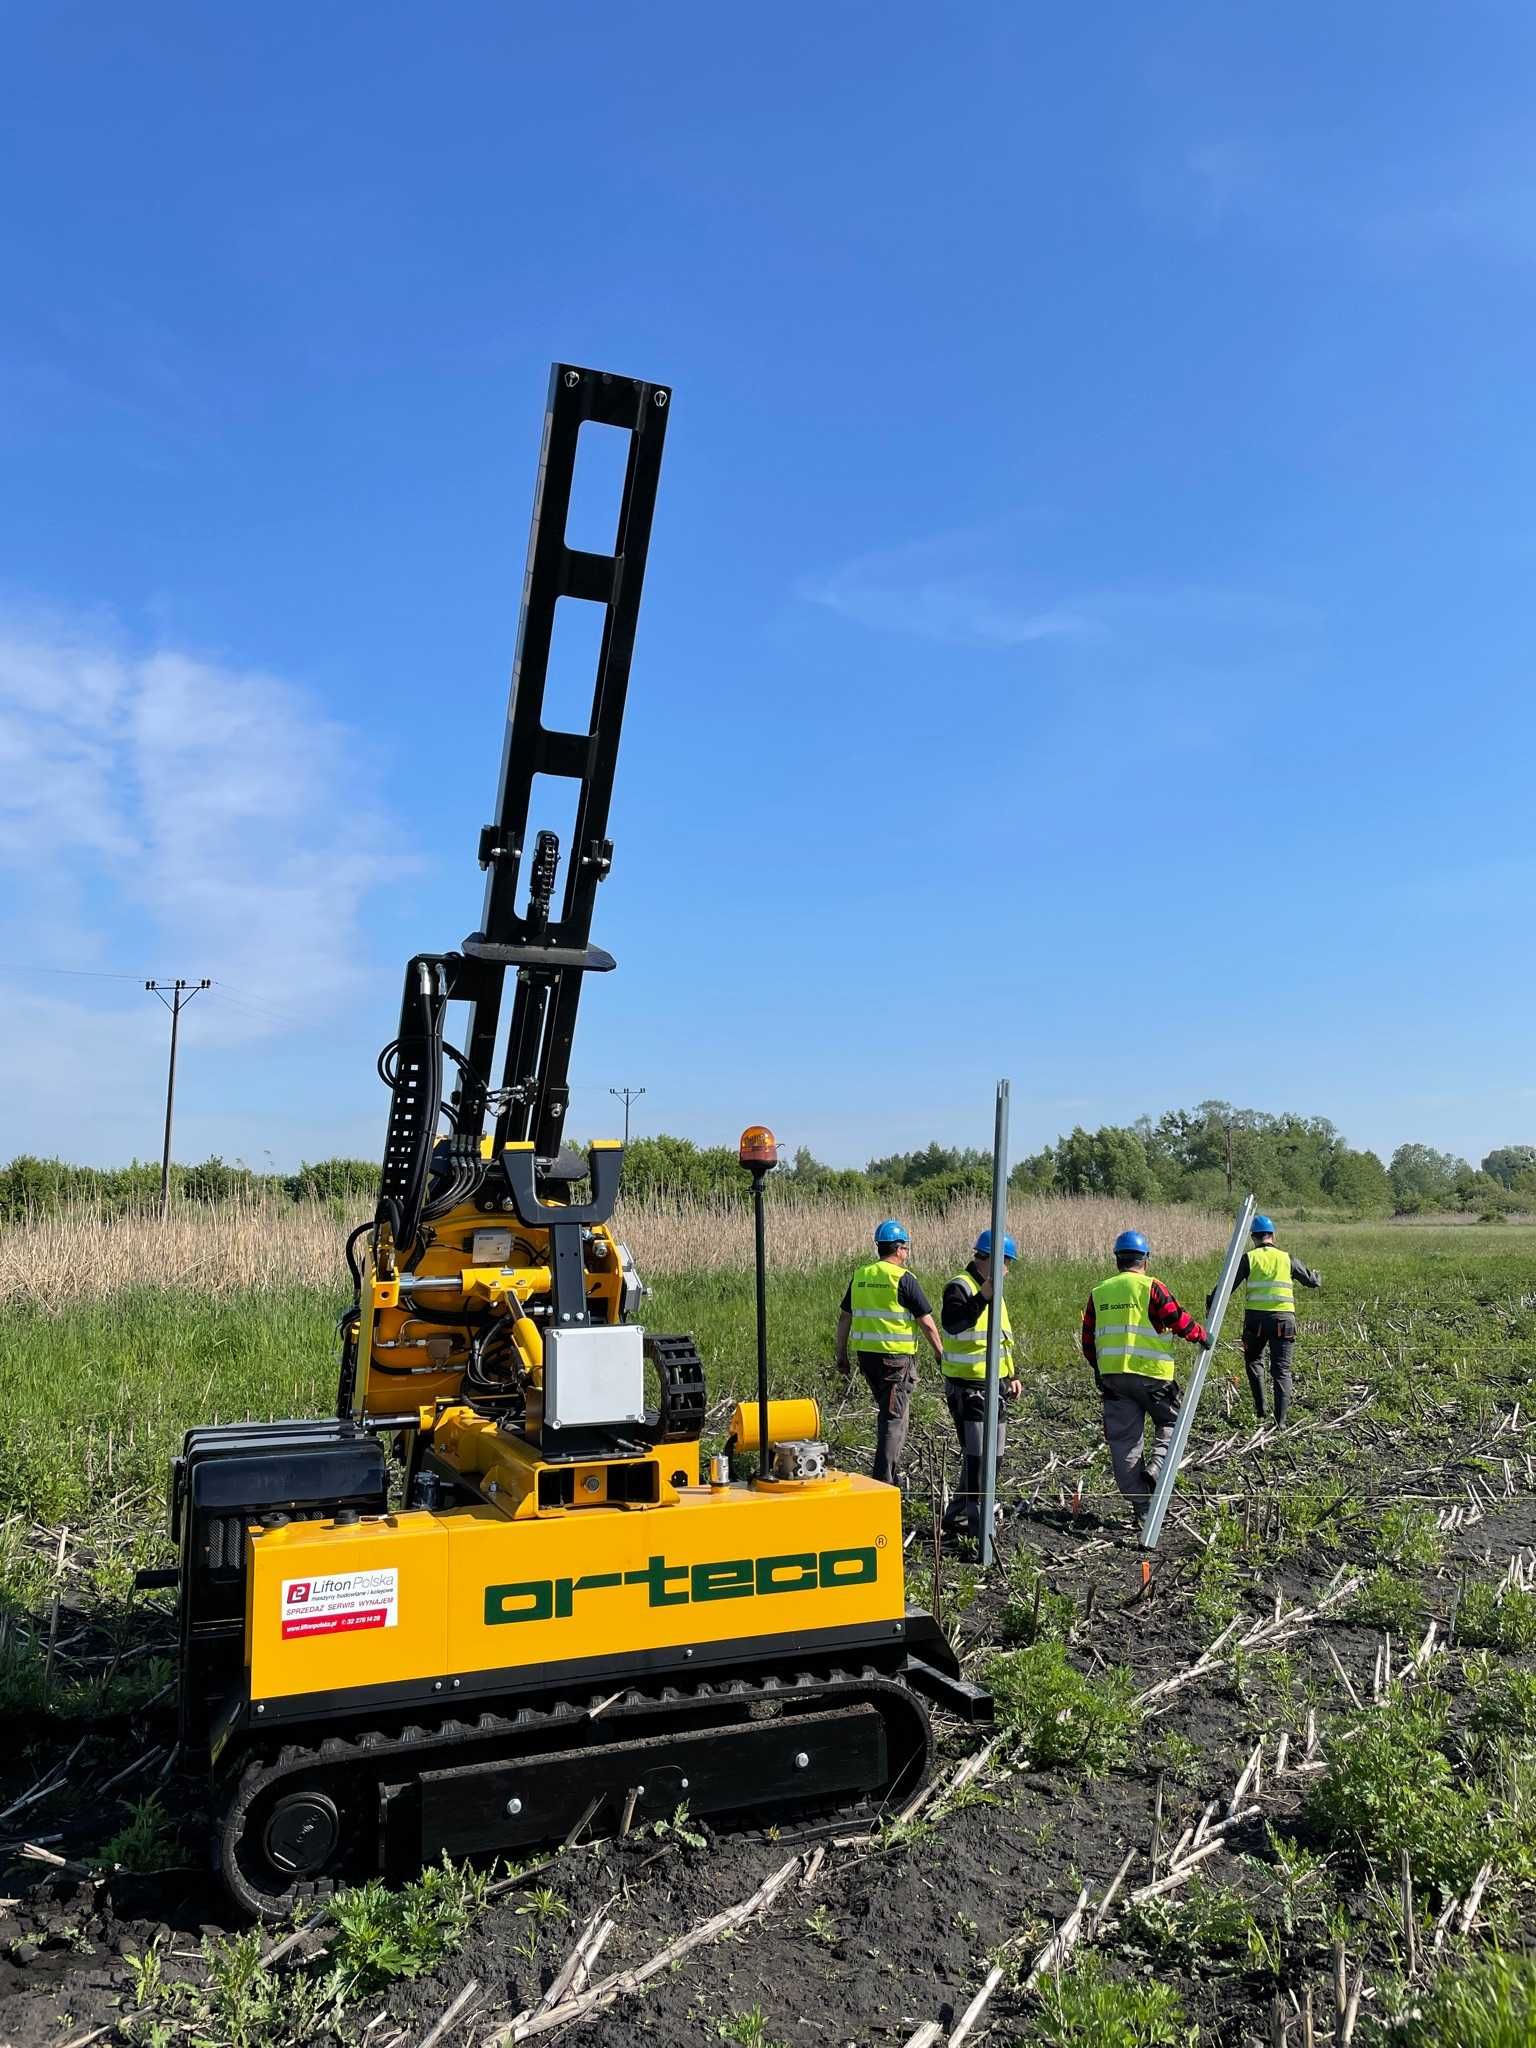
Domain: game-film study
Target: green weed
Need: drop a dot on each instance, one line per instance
(1486, 2004)
(823, 1926)
(1507, 1707)
(1056, 1715)
(1494, 1620)
(747, 2030)
(1088, 2008)
(383, 1935)
(1410, 1536)
(1388, 1602)
(1206, 1925)
(1034, 1612)
(677, 1830)
(1177, 1755)
(1392, 1788)
(146, 1841)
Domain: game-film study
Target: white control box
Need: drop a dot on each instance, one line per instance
(592, 1377)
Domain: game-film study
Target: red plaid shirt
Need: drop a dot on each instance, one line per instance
(1166, 1316)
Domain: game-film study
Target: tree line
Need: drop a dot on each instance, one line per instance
(1201, 1155)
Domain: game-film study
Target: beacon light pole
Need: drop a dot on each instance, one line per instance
(759, 1154)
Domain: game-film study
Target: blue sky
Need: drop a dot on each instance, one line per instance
(1099, 490)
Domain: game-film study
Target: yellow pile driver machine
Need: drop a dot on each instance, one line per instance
(497, 1597)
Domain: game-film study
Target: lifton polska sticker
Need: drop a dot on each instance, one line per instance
(338, 1603)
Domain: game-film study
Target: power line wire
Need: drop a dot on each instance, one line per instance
(75, 973)
(240, 1001)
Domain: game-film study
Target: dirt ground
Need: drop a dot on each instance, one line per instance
(887, 1928)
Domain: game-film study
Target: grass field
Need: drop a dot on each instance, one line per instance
(105, 1365)
(1395, 1724)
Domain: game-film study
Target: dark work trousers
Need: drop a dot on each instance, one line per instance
(1277, 1335)
(890, 1377)
(967, 1400)
(1131, 1400)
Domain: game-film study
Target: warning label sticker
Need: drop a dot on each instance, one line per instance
(340, 1602)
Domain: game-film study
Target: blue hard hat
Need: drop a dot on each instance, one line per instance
(891, 1232)
(1132, 1241)
(1261, 1226)
(984, 1246)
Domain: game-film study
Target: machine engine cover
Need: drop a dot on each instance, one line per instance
(594, 1377)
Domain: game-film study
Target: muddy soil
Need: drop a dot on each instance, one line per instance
(889, 1932)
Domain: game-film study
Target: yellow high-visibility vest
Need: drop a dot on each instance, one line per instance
(1124, 1337)
(965, 1355)
(880, 1323)
(1270, 1288)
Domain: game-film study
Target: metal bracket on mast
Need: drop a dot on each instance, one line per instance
(1162, 1492)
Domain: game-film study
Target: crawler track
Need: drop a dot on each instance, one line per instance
(300, 1819)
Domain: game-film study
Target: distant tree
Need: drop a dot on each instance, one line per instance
(1035, 1175)
(674, 1169)
(1423, 1178)
(334, 1180)
(1109, 1161)
(1358, 1181)
(933, 1162)
(1511, 1163)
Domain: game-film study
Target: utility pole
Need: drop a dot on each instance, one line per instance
(627, 1096)
(1229, 1162)
(175, 995)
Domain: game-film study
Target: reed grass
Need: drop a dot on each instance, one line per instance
(55, 1262)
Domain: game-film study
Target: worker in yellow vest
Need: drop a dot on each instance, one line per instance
(884, 1310)
(964, 1313)
(1269, 1314)
(1126, 1326)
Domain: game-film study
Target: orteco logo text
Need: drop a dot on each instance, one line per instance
(676, 1585)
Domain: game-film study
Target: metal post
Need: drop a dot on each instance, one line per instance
(1162, 1493)
(998, 1266)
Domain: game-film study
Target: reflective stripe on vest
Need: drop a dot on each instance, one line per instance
(1270, 1287)
(965, 1354)
(1124, 1338)
(880, 1323)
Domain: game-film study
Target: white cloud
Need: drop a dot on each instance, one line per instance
(934, 588)
(206, 813)
(963, 589)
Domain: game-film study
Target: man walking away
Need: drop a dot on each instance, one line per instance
(1269, 1314)
(1125, 1327)
(964, 1312)
(883, 1310)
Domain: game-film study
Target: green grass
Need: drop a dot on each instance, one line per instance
(98, 1394)
(1486, 2004)
(1403, 1784)
(1056, 1715)
(380, 1937)
(1086, 2007)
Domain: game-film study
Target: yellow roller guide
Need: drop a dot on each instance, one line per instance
(788, 1421)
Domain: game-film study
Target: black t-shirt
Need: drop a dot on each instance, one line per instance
(963, 1306)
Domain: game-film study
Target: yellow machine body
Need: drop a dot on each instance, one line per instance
(434, 1602)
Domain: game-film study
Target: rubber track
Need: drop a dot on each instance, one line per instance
(430, 1744)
